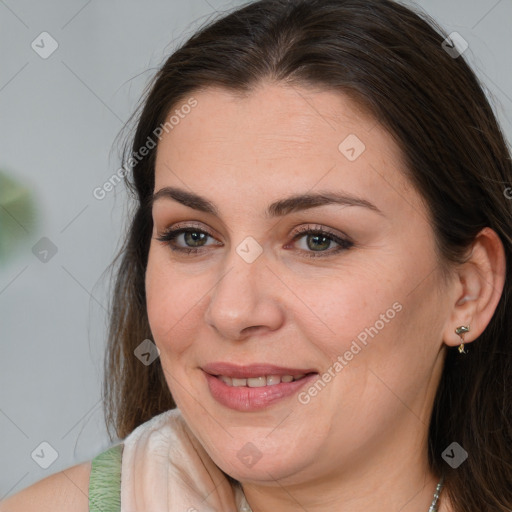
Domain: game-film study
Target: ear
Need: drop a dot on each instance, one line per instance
(477, 288)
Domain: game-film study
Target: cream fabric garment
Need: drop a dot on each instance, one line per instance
(165, 469)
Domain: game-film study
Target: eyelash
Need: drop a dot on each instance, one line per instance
(170, 235)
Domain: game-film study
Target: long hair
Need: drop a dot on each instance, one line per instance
(391, 61)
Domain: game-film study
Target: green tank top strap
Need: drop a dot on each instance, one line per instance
(105, 481)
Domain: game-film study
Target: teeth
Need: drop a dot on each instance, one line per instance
(273, 379)
(257, 382)
(226, 380)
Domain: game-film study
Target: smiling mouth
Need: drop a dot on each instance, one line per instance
(258, 382)
(251, 388)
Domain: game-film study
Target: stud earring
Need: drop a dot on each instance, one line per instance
(461, 331)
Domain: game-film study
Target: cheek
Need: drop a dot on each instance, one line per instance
(376, 322)
(345, 306)
(171, 301)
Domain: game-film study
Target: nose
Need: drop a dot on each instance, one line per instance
(246, 299)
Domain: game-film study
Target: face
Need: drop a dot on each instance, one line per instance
(348, 293)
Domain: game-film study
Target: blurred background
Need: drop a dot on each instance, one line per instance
(71, 74)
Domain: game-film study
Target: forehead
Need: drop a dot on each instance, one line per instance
(271, 120)
(280, 139)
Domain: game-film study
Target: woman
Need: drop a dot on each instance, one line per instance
(310, 310)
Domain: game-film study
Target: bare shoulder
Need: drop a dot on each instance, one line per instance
(63, 491)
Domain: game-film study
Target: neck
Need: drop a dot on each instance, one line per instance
(405, 485)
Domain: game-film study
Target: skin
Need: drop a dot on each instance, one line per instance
(361, 443)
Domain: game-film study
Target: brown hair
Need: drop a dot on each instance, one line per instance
(390, 60)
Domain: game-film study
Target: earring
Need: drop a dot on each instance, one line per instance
(461, 331)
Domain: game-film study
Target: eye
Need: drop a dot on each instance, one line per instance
(190, 234)
(315, 238)
(321, 238)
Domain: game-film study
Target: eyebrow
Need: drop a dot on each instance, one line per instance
(279, 208)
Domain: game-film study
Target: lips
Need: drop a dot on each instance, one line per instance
(254, 370)
(258, 382)
(254, 387)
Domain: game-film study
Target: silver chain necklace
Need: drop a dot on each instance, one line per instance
(433, 507)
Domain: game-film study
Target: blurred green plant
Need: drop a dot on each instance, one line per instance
(18, 215)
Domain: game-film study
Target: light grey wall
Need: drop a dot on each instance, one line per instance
(58, 119)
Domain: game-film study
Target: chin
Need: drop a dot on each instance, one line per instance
(248, 464)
